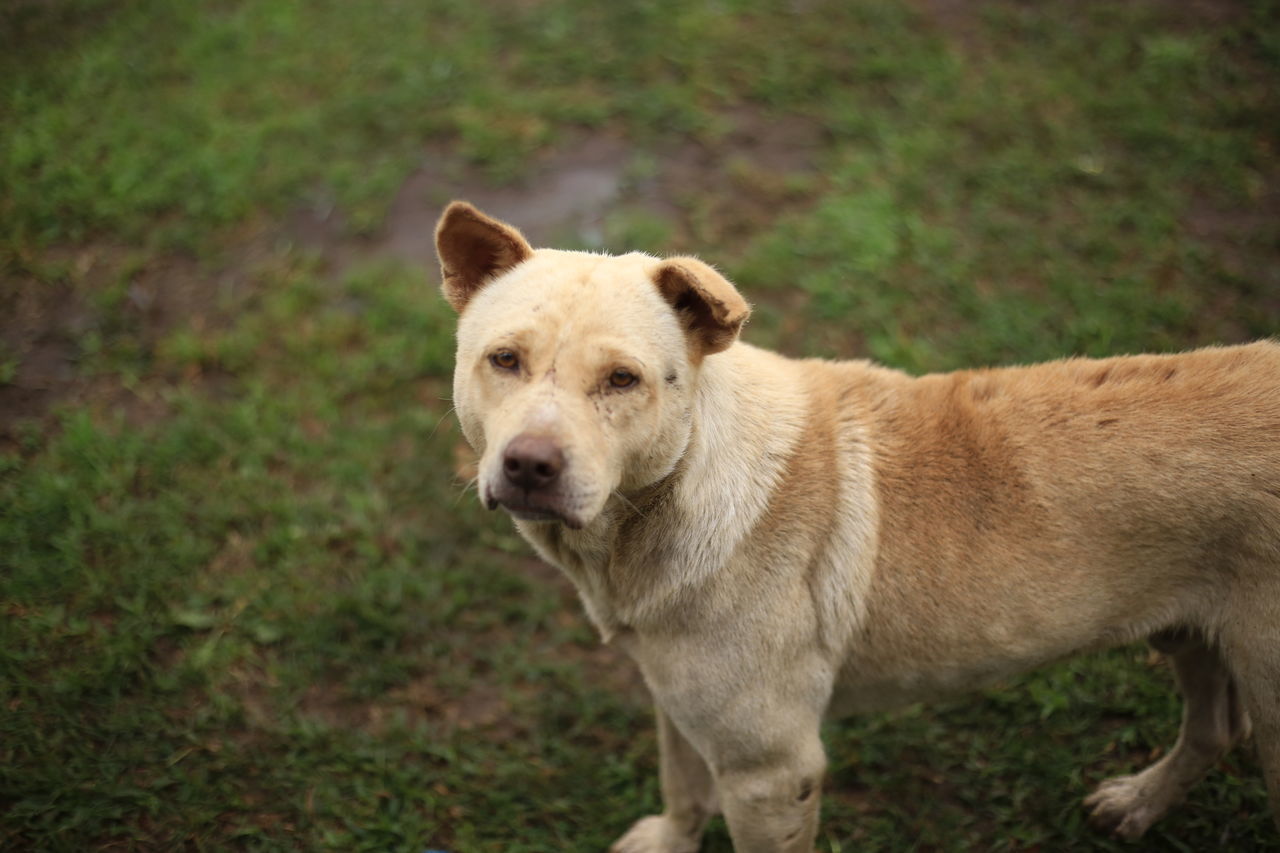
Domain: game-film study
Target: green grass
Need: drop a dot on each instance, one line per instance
(247, 602)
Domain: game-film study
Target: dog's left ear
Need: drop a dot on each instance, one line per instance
(473, 248)
(710, 308)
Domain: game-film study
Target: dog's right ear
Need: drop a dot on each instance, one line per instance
(473, 248)
(710, 308)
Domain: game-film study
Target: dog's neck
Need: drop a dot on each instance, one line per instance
(646, 552)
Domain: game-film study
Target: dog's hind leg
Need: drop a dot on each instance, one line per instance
(1213, 720)
(1254, 653)
(1263, 698)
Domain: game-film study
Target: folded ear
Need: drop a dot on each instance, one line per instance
(711, 310)
(473, 248)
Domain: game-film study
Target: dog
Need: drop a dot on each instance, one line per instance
(775, 540)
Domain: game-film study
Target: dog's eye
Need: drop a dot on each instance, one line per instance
(504, 359)
(622, 378)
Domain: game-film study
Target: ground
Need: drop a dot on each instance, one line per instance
(248, 600)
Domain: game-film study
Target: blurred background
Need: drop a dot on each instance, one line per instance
(245, 599)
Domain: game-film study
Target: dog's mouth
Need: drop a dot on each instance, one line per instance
(525, 508)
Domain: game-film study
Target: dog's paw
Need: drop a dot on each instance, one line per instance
(1126, 805)
(655, 834)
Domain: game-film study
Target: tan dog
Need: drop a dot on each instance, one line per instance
(776, 540)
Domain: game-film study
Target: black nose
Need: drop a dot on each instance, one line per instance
(532, 462)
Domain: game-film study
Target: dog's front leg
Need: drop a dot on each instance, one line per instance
(774, 807)
(688, 797)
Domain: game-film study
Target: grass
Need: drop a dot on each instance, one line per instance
(246, 600)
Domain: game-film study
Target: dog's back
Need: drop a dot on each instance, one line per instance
(1069, 504)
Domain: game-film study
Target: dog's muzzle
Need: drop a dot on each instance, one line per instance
(531, 487)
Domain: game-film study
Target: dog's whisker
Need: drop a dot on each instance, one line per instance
(443, 418)
(626, 500)
(466, 487)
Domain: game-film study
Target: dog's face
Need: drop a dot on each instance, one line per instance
(575, 372)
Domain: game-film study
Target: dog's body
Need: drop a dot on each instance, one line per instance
(774, 540)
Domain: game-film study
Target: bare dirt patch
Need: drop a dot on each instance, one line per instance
(733, 183)
(568, 189)
(74, 301)
(39, 332)
(725, 190)
(482, 707)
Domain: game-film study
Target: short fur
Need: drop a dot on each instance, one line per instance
(775, 540)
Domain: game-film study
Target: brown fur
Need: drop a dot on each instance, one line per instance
(474, 248)
(712, 312)
(958, 458)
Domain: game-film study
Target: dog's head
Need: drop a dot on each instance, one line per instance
(575, 372)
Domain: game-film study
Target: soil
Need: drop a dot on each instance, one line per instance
(568, 194)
